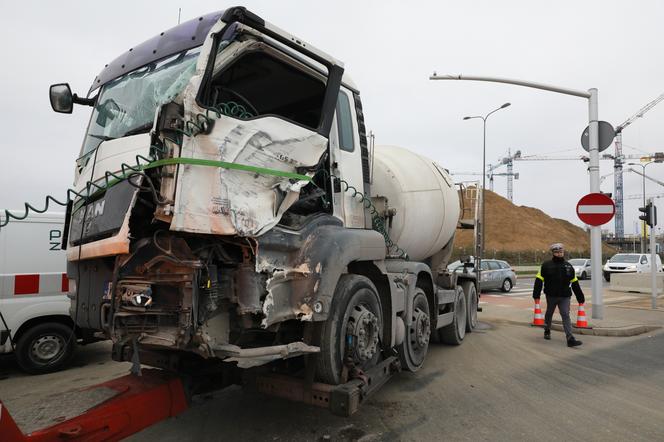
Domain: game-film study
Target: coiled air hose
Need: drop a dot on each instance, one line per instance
(202, 123)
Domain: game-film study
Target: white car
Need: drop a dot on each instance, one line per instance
(629, 263)
(34, 307)
(581, 267)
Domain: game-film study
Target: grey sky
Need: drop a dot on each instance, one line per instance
(390, 48)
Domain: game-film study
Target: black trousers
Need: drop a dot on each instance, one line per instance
(563, 308)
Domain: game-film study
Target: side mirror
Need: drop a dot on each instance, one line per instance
(62, 100)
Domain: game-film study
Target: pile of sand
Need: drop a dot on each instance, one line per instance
(511, 228)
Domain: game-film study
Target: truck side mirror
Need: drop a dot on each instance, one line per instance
(62, 100)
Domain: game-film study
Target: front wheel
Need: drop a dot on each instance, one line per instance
(353, 331)
(607, 277)
(45, 348)
(584, 275)
(507, 285)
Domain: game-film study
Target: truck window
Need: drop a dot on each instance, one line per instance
(345, 123)
(258, 83)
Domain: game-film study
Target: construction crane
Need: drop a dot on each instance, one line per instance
(618, 162)
(509, 161)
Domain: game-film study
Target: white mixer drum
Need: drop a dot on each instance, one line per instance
(424, 196)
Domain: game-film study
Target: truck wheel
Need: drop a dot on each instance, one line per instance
(353, 330)
(413, 349)
(45, 348)
(472, 301)
(454, 333)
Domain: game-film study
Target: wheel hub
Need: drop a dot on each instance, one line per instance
(363, 328)
(46, 347)
(422, 329)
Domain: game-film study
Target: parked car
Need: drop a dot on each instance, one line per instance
(496, 274)
(581, 267)
(629, 263)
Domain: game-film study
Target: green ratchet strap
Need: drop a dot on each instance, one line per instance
(225, 165)
(198, 162)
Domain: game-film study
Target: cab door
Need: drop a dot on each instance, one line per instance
(346, 164)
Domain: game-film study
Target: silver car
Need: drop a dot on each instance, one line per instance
(496, 274)
(581, 267)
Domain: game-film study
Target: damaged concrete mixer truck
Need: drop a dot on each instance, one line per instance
(228, 214)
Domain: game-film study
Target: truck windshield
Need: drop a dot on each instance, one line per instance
(127, 105)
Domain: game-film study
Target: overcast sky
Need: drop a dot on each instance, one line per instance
(390, 48)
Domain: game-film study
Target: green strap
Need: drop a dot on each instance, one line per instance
(225, 165)
(201, 162)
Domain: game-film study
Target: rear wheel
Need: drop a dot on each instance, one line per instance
(413, 350)
(454, 333)
(507, 285)
(45, 348)
(472, 302)
(353, 330)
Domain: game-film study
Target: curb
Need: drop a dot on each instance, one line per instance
(626, 331)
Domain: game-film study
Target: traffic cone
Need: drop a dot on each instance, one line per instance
(581, 321)
(538, 320)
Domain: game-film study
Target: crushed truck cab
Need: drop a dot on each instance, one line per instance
(229, 213)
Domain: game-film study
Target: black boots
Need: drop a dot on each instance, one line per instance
(547, 334)
(572, 342)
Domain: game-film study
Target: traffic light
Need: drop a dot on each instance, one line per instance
(649, 214)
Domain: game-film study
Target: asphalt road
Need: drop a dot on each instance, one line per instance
(504, 383)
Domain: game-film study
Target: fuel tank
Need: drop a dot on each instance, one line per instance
(423, 196)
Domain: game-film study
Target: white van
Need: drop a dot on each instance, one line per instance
(34, 307)
(630, 263)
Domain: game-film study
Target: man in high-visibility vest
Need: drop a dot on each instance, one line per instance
(559, 279)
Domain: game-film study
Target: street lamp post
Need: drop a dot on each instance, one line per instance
(478, 257)
(593, 166)
(643, 223)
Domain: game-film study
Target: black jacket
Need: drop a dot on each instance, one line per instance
(557, 276)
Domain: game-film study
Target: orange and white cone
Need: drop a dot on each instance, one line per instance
(538, 320)
(581, 321)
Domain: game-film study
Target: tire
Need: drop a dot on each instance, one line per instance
(353, 295)
(472, 301)
(413, 349)
(506, 285)
(45, 348)
(607, 277)
(454, 333)
(584, 275)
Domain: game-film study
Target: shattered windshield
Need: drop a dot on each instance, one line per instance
(127, 105)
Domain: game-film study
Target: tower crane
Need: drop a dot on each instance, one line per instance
(618, 162)
(509, 161)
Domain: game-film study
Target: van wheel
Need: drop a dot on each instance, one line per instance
(45, 348)
(472, 302)
(454, 333)
(353, 330)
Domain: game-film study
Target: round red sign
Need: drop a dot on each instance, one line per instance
(595, 209)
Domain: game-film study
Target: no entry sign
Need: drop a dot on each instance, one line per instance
(595, 209)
